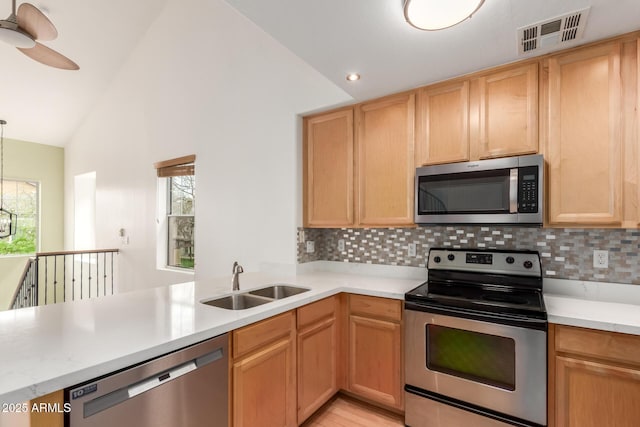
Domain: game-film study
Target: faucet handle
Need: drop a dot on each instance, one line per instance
(237, 268)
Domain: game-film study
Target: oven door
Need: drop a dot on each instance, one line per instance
(499, 367)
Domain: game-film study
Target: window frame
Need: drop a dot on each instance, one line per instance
(37, 220)
(166, 170)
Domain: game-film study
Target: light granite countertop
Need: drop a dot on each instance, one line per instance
(57, 346)
(606, 306)
(48, 348)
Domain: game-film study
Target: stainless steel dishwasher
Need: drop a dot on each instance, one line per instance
(187, 388)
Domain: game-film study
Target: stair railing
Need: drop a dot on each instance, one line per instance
(53, 277)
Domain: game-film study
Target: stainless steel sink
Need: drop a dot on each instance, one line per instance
(237, 301)
(279, 291)
(255, 298)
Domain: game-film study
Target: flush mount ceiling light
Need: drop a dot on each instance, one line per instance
(433, 15)
(352, 77)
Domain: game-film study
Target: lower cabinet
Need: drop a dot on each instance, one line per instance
(317, 355)
(264, 373)
(375, 365)
(286, 367)
(594, 378)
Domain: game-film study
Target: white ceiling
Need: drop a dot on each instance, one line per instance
(46, 105)
(372, 38)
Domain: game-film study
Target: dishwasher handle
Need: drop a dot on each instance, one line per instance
(130, 391)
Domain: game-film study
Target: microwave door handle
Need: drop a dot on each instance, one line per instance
(513, 191)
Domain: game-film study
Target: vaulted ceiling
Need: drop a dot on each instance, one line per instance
(46, 105)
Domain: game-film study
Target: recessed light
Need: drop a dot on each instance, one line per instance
(352, 77)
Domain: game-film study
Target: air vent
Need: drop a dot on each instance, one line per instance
(553, 32)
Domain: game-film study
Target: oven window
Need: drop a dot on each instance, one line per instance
(488, 359)
(464, 193)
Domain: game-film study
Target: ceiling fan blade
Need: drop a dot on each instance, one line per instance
(50, 57)
(34, 22)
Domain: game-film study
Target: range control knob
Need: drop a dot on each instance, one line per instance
(451, 257)
(437, 259)
(528, 264)
(510, 260)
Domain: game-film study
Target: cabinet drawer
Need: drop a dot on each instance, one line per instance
(382, 308)
(258, 334)
(598, 344)
(313, 312)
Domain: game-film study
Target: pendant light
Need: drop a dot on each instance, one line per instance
(8, 220)
(434, 15)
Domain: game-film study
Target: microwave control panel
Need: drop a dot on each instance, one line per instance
(528, 189)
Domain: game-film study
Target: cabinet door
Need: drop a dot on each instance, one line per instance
(264, 387)
(375, 365)
(443, 124)
(385, 165)
(584, 142)
(509, 112)
(592, 394)
(328, 188)
(317, 366)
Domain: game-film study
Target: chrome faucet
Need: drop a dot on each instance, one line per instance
(237, 269)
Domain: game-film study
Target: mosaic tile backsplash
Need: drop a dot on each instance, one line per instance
(566, 253)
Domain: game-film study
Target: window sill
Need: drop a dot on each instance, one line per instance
(185, 271)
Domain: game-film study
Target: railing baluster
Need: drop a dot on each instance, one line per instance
(55, 279)
(89, 268)
(46, 278)
(28, 294)
(97, 276)
(36, 274)
(64, 278)
(73, 277)
(104, 272)
(81, 278)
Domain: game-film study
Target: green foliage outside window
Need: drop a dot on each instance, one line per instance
(21, 197)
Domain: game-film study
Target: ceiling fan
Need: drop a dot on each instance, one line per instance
(28, 25)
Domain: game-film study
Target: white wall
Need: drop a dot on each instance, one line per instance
(206, 81)
(45, 164)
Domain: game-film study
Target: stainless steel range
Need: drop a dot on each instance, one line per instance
(476, 341)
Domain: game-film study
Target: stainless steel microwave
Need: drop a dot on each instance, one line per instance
(497, 191)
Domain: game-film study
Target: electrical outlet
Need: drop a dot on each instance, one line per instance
(311, 246)
(341, 245)
(301, 236)
(412, 249)
(600, 259)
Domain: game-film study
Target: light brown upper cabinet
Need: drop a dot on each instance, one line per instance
(443, 124)
(492, 115)
(508, 108)
(328, 162)
(584, 140)
(385, 165)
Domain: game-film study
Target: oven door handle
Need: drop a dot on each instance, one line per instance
(521, 322)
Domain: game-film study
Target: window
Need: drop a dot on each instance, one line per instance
(21, 197)
(177, 207)
(180, 222)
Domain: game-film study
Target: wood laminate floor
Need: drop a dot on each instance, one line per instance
(343, 411)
